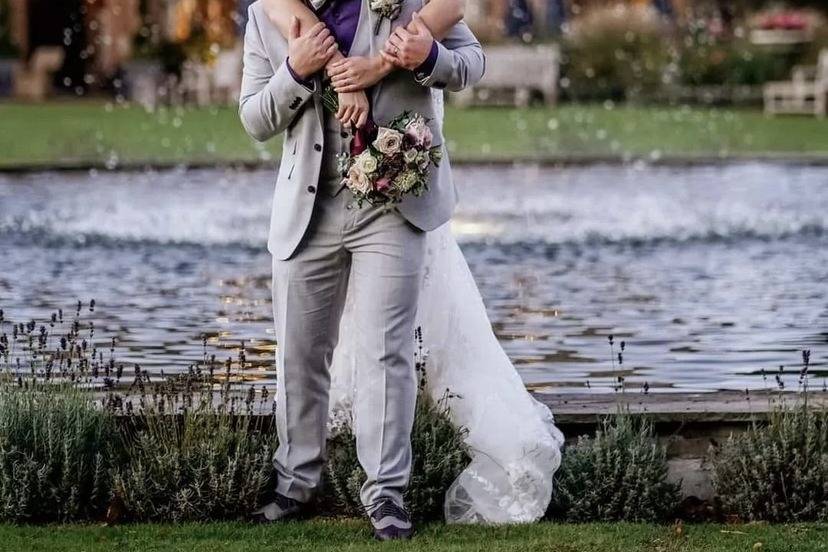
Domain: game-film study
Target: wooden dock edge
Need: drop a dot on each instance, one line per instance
(691, 425)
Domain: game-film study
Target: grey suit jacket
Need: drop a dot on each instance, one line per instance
(272, 102)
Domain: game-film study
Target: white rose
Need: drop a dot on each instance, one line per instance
(388, 141)
(358, 181)
(410, 156)
(366, 162)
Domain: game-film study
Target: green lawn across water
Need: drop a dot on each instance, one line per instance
(98, 133)
(326, 535)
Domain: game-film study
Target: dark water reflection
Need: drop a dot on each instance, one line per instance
(709, 274)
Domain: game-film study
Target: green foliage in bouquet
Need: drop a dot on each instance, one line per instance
(618, 475)
(55, 454)
(203, 464)
(776, 472)
(439, 456)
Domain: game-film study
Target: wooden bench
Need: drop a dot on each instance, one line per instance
(516, 74)
(805, 93)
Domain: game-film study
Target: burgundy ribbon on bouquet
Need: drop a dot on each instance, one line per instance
(363, 137)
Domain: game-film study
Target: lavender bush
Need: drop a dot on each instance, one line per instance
(620, 474)
(200, 465)
(56, 450)
(777, 471)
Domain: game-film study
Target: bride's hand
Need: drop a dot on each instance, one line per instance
(409, 47)
(357, 73)
(353, 109)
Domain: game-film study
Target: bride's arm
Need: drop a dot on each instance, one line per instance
(439, 15)
(358, 73)
(282, 12)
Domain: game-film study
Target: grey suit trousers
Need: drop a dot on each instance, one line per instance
(376, 255)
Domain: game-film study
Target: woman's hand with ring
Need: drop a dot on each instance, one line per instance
(409, 47)
(356, 73)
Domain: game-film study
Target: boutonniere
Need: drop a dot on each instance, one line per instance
(385, 9)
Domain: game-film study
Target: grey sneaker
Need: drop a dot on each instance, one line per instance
(282, 508)
(391, 522)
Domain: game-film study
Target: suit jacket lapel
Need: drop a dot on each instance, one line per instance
(374, 41)
(382, 28)
(366, 42)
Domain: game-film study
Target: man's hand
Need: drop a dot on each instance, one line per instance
(353, 109)
(357, 73)
(409, 47)
(309, 52)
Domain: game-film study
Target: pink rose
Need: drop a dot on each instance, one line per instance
(419, 133)
(382, 184)
(388, 141)
(358, 181)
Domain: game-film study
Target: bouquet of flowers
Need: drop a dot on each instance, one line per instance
(387, 163)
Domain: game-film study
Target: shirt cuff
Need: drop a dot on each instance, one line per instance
(306, 83)
(427, 67)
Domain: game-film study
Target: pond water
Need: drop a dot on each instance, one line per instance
(710, 274)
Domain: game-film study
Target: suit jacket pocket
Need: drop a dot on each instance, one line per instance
(286, 168)
(292, 148)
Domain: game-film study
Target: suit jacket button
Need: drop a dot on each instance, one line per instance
(317, 147)
(343, 134)
(311, 189)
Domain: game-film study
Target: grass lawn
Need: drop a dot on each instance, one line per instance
(353, 535)
(100, 134)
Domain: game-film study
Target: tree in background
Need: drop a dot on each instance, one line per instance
(7, 46)
(204, 27)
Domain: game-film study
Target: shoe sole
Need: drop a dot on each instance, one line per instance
(403, 536)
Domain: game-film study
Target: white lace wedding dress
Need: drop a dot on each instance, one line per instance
(515, 446)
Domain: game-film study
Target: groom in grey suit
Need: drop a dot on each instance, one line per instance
(324, 247)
